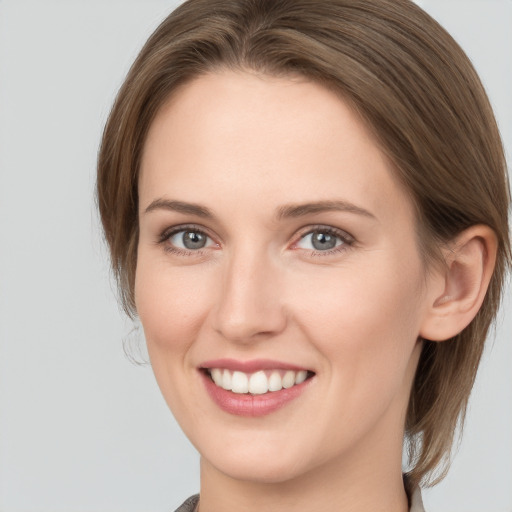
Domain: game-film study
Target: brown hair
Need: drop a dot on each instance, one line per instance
(417, 92)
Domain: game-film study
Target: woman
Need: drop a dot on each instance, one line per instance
(306, 206)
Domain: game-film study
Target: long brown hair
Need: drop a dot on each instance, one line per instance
(418, 93)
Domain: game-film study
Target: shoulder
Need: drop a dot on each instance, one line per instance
(189, 505)
(416, 500)
(414, 495)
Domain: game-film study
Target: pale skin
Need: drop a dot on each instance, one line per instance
(255, 165)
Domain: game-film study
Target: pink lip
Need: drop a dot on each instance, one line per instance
(247, 404)
(250, 366)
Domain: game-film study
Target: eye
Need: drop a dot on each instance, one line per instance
(191, 240)
(324, 239)
(185, 240)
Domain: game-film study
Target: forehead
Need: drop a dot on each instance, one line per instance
(259, 137)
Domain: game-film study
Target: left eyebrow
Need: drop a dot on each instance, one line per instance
(179, 206)
(300, 210)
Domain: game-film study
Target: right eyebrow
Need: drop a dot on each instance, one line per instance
(180, 207)
(301, 210)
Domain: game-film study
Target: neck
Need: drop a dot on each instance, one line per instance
(340, 485)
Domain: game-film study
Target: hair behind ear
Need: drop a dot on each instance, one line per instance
(454, 334)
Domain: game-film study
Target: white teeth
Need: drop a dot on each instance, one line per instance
(288, 379)
(239, 383)
(226, 379)
(258, 383)
(217, 376)
(275, 383)
(301, 376)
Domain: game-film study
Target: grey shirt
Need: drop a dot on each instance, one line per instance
(190, 505)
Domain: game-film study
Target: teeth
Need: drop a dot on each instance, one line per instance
(217, 376)
(239, 382)
(288, 379)
(226, 379)
(275, 383)
(301, 377)
(257, 383)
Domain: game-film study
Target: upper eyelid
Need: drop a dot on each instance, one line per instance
(172, 230)
(325, 227)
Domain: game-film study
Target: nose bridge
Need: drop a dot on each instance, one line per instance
(250, 297)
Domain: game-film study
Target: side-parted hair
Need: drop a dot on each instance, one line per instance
(417, 92)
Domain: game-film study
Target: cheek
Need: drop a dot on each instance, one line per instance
(366, 318)
(171, 304)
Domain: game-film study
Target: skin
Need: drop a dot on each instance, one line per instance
(244, 147)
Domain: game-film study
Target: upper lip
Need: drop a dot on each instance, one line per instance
(251, 366)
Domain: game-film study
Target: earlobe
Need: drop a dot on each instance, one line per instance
(457, 289)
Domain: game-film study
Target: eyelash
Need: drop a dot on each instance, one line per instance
(346, 239)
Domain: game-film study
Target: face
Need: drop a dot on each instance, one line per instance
(278, 278)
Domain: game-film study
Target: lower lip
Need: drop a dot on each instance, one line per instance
(252, 405)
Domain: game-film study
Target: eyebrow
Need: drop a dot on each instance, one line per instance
(180, 207)
(300, 210)
(283, 212)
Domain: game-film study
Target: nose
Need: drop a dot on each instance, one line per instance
(250, 302)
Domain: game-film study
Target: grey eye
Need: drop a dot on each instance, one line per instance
(320, 241)
(190, 240)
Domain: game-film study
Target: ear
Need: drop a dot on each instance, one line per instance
(457, 289)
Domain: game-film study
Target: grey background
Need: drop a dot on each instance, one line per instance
(81, 428)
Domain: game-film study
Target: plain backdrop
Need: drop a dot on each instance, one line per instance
(81, 427)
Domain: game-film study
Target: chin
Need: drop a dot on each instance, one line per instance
(257, 471)
(265, 463)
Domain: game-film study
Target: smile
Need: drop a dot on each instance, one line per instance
(258, 383)
(253, 388)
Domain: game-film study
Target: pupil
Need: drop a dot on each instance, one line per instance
(193, 240)
(323, 241)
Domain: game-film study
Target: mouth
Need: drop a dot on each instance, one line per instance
(260, 382)
(254, 388)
